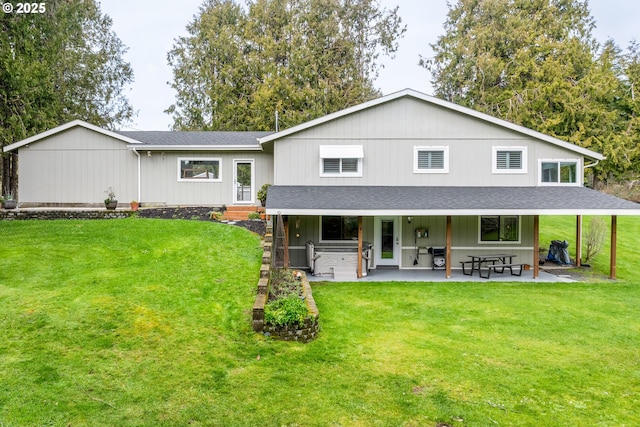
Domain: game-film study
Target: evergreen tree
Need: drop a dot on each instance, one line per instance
(537, 64)
(57, 66)
(301, 58)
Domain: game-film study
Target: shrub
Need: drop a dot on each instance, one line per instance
(284, 283)
(286, 311)
(254, 215)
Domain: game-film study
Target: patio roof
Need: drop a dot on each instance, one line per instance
(454, 201)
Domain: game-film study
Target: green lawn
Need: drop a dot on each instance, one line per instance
(146, 322)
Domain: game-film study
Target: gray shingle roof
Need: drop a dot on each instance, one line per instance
(187, 138)
(447, 200)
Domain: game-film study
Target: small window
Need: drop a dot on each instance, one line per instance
(559, 171)
(499, 229)
(338, 228)
(431, 159)
(205, 170)
(509, 159)
(341, 160)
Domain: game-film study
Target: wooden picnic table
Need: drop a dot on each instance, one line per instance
(496, 260)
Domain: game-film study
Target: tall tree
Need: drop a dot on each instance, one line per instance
(534, 63)
(63, 64)
(301, 58)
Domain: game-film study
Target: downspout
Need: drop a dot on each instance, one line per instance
(139, 174)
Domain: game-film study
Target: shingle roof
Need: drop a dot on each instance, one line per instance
(188, 138)
(391, 200)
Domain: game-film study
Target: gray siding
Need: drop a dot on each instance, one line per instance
(389, 133)
(160, 178)
(76, 167)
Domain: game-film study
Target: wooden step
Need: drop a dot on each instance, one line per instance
(240, 212)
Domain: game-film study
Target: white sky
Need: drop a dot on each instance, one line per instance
(149, 27)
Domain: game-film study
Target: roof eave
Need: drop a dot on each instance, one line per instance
(449, 212)
(66, 126)
(160, 147)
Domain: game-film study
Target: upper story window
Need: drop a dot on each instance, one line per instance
(341, 160)
(430, 159)
(509, 160)
(199, 169)
(559, 172)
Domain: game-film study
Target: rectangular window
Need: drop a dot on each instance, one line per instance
(430, 159)
(200, 170)
(559, 172)
(500, 228)
(509, 160)
(341, 160)
(339, 228)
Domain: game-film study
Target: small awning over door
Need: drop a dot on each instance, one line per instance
(341, 152)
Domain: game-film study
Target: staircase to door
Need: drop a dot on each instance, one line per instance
(241, 212)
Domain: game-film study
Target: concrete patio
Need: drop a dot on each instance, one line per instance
(428, 275)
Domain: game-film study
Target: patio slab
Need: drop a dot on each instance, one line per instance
(428, 275)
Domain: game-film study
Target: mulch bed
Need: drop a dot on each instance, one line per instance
(199, 214)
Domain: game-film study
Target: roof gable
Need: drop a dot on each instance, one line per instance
(67, 126)
(437, 102)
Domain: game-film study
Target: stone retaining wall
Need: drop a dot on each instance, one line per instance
(19, 214)
(305, 333)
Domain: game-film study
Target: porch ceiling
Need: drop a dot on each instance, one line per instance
(454, 201)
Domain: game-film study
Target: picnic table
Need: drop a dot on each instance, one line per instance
(498, 262)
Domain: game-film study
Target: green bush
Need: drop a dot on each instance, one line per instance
(254, 215)
(286, 311)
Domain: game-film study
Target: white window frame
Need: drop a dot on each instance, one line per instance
(494, 159)
(341, 152)
(499, 242)
(179, 172)
(443, 148)
(579, 173)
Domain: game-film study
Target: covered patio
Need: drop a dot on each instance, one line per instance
(452, 202)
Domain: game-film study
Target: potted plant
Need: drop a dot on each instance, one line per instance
(8, 201)
(135, 205)
(110, 202)
(262, 194)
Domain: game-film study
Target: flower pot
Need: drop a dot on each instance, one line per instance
(10, 204)
(111, 205)
(135, 206)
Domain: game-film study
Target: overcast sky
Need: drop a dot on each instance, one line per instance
(148, 28)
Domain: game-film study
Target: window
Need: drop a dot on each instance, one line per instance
(499, 229)
(339, 228)
(509, 159)
(205, 170)
(341, 160)
(430, 159)
(559, 172)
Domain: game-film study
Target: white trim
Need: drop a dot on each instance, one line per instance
(494, 159)
(181, 159)
(67, 126)
(457, 212)
(443, 148)
(341, 174)
(438, 102)
(579, 173)
(159, 147)
(235, 179)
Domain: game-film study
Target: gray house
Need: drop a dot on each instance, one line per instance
(405, 181)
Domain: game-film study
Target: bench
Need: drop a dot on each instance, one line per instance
(495, 267)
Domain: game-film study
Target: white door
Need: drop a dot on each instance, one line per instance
(387, 241)
(243, 181)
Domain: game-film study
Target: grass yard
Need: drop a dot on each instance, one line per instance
(146, 322)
